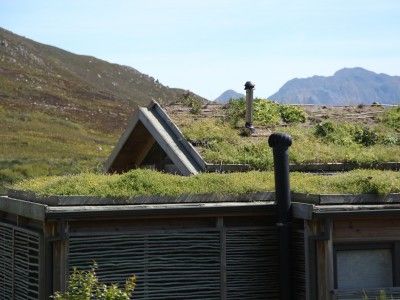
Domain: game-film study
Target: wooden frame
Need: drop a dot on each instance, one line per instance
(367, 246)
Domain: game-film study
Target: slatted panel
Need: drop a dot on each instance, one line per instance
(6, 265)
(26, 266)
(168, 265)
(252, 263)
(19, 263)
(298, 276)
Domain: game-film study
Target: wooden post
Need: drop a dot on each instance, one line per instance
(59, 253)
(325, 260)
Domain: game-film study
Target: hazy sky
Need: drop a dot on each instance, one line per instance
(210, 46)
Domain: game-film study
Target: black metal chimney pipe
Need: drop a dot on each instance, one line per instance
(280, 144)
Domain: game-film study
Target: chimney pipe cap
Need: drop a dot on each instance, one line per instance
(280, 140)
(249, 85)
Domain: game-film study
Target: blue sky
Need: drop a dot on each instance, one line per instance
(210, 46)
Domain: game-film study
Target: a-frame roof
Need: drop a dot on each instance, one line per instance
(151, 127)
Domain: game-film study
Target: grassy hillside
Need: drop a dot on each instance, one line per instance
(39, 77)
(37, 144)
(61, 112)
(51, 71)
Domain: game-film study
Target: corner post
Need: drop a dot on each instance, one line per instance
(280, 144)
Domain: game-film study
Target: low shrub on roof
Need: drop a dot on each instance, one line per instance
(391, 118)
(327, 142)
(266, 112)
(147, 182)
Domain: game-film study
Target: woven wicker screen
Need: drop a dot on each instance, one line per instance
(227, 263)
(19, 263)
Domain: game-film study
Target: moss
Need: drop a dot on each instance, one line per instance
(147, 182)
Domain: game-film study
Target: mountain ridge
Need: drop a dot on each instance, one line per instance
(228, 95)
(35, 76)
(347, 86)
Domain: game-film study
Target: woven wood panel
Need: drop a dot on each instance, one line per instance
(6, 262)
(168, 265)
(252, 263)
(19, 263)
(298, 275)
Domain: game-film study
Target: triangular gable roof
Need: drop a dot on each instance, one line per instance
(148, 126)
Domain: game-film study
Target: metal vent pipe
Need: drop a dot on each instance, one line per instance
(280, 144)
(249, 87)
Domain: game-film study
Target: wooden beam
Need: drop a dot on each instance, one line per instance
(144, 151)
(302, 210)
(23, 208)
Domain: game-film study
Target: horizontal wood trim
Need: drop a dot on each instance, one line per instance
(366, 229)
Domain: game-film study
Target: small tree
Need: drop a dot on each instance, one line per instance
(84, 285)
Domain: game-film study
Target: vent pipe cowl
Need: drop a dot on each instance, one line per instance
(280, 144)
(249, 87)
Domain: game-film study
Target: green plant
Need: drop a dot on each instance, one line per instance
(365, 136)
(266, 112)
(193, 103)
(84, 285)
(236, 111)
(345, 134)
(292, 114)
(324, 130)
(382, 295)
(391, 118)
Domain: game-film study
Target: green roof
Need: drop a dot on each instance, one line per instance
(363, 136)
(147, 182)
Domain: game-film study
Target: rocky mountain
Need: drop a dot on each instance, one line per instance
(38, 77)
(347, 86)
(228, 95)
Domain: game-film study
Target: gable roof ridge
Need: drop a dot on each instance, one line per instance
(192, 151)
(166, 134)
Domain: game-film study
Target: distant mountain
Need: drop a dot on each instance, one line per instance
(38, 77)
(347, 86)
(228, 95)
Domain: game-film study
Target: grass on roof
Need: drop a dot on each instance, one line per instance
(148, 182)
(218, 142)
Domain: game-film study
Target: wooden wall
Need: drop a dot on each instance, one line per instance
(183, 258)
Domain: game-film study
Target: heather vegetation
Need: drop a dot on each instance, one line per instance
(317, 141)
(148, 182)
(392, 118)
(266, 113)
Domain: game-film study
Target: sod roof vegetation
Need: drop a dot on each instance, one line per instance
(148, 182)
(359, 135)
